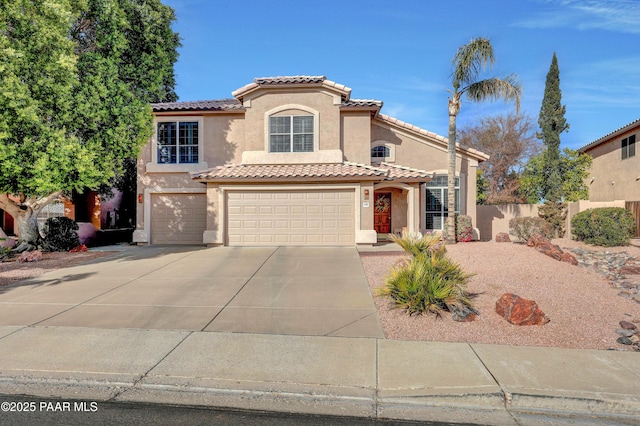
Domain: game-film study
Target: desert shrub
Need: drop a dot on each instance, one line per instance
(609, 226)
(4, 251)
(524, 228)
(60, 234)
(417, 244)
(464, 229)
(555, 213)
(429, 281)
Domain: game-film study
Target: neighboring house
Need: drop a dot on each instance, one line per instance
(292, 161)
(615, 170)
(101, 221)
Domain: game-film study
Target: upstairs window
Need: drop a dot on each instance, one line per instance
(177, 142)
(629, 147)
(292, 133)
(380, 152)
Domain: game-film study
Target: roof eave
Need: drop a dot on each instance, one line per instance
(288, 179)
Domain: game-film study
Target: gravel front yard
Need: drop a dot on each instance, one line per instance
(584, 307)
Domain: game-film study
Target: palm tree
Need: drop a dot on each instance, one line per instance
(469, 60)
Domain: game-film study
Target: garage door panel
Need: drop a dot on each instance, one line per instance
(178, 218)
(321, 217)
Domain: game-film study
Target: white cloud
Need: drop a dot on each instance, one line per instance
(611, 15)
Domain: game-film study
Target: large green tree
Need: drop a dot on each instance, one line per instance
(76, 78)
(552, 123)
(510, 141)
(468, 62)
(574, 170)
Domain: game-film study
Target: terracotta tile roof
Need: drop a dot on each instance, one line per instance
(291, 79)
(341, 171)
(396, 172)
(289, 171)
(481, 156)
(314, 80)
(212, 105)
(362, 103)
(610, 135)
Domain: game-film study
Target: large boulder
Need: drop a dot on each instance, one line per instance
(519, 311)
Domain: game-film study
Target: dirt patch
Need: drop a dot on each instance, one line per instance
(583, 306)
(12, 270)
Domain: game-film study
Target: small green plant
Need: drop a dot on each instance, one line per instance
(60, 234)
(523, 228)
(416, 244)
(428, 281)
(609, 226)
(4, 251)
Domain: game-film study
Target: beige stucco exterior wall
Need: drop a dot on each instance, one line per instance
(355, 136)
(495, 219)
(259, 104)
(223, 142)
(615, 178)
(413, 152)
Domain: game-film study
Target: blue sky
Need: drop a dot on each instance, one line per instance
(400, 51)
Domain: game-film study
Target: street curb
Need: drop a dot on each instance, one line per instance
(464, 408)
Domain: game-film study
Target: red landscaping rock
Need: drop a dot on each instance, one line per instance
(630, 270)
(543, 245)
(80, 248)
(502, 237)
(537, 240)
(628, 325)
(30, 256)
(519, 311)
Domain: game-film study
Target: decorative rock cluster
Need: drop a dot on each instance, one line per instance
(628, 333)
(543, 245)
(519, 311)
(621, 269)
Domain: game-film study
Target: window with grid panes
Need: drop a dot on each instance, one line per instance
(629, 147)
(292, 133)
(437, 202)
(177, 142)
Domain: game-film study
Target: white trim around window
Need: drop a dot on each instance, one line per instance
(292, 110)
(391, 151)
(155, 167)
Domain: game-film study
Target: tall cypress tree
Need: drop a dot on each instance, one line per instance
(552, 123)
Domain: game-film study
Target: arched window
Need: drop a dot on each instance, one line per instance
(383, 151)
(380, 152)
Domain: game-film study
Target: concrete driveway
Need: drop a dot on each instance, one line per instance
(281, 290)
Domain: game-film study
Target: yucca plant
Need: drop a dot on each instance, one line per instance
(428, 281)
(416, 244)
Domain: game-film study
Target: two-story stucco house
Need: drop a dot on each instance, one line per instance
(292, 161)
(615, 169)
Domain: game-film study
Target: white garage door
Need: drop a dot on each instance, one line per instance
(178, 218)
(273, 218)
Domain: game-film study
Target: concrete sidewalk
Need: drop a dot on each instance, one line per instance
(364, 377)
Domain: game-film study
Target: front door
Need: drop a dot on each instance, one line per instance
(382, 213)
